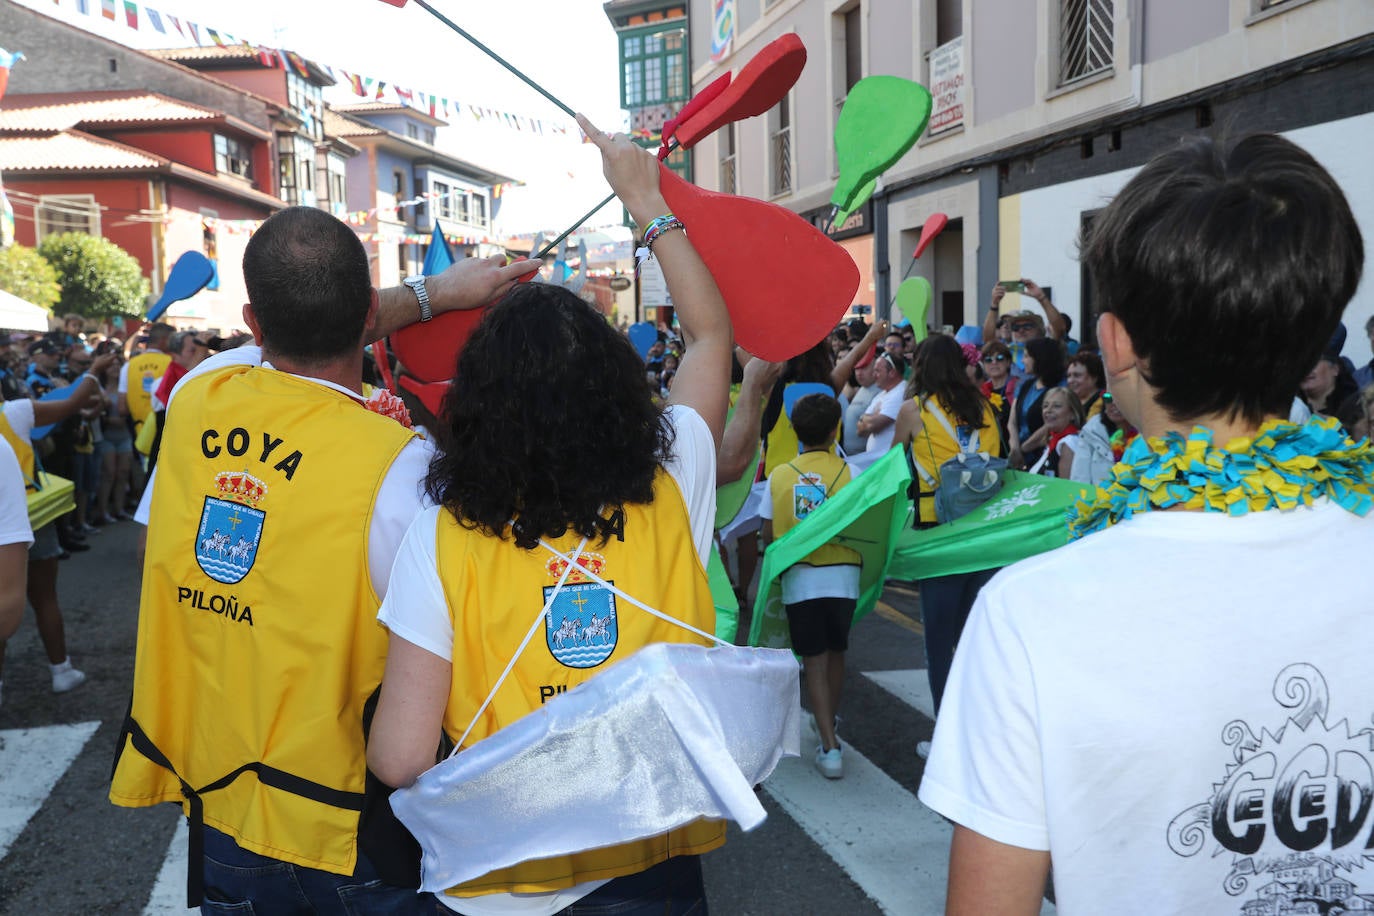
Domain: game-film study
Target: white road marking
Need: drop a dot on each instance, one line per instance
(32, 760)
(169, 893)
(895, 848)
(911, 686)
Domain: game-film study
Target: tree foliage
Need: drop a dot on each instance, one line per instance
(27, 274)
(98, 278)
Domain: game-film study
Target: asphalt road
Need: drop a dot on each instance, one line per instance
(859, 846)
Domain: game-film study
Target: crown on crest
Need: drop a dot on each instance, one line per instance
(592, 562)
(240, 487)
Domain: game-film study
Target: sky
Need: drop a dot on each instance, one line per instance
(566, 46)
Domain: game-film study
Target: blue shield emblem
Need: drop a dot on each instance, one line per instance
(227, 543)
(580, 626)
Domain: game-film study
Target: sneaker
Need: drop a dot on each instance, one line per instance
(65, 677)
(830, 763)
(89, 529)
(923, 750)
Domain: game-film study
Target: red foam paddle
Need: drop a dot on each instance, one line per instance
(694, 104)
(785, 283)
(759, 85)
(429, 350)
(934, 225)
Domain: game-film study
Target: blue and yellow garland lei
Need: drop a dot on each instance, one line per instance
(1284, 466)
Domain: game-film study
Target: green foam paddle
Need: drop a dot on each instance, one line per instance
(881, 119)
(913, 298)
(859, 199)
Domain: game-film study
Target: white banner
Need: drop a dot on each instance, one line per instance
(653, 289)
(947, 86)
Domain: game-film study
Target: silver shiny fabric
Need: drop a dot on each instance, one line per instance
(671, 734)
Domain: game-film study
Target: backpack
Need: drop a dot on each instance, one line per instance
(967, 480)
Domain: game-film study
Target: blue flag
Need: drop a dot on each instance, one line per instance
(440, 256)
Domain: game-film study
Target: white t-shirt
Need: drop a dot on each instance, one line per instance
(14, 504)
(888, 404)
(19, 413)
(415, 610)
(399, 499)
(1133, 699)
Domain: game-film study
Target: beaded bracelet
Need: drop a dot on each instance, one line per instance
(656, 228)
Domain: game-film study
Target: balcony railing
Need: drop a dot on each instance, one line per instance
(781, 142)
(727, 175)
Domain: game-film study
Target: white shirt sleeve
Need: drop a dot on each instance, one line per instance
(14, 505)
(414, 608)
(124, 379)
(1069, 442)
(400, 500)
(766, 504)
(892, 401)
(693, 465)
(984, 770)
(19, 414)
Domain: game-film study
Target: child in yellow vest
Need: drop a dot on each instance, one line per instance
(819, 593)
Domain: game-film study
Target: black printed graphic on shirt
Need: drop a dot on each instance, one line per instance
(1293, 810)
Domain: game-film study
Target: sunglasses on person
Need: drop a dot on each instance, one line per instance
(996, 358)
(1023, 326)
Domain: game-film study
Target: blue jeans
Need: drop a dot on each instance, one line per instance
(671, 888)
(243, 883)
(945, 605)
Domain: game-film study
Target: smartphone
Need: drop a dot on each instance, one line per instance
(1012, 286)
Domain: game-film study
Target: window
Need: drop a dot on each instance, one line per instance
(654, 68)
(443, 201)
(338, 191)
(479, 210)
(727, 160)
(209, 246)
(1085, 38)
(463, 214)
(412, 131)
(780, 143)
(949, 20)
(307, 101)
(398, 186)
(232, 157)
(67, 213)
(853, 48)
(286, 174)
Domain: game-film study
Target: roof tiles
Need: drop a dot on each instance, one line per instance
(66, 110)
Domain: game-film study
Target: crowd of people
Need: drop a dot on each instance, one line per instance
(262, 455)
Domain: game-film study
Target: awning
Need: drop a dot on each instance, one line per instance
(18, 315)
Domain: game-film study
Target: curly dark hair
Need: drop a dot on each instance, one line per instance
(549, 423)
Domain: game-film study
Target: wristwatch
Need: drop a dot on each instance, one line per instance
(417, 286)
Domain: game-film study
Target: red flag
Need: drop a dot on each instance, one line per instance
(395, 2)
(381, 84)
(405, 95)
(195, 31)
(176, 24)
(355, 82)
(267, 57)
(298, 64)
(131, 13)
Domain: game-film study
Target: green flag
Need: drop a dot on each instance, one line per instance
(873, 516)
(722, 596)
(866, 515)
(1025, 518)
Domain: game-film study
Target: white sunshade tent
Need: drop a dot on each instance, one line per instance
(18, 315)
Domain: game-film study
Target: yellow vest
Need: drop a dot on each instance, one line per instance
(144, 371)
(258, 642)
(797, 488)
(23, 449)
(781, 444)
(494, 590)
(932, 447)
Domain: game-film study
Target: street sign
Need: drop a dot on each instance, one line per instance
(620, 284)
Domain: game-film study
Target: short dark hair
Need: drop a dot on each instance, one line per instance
(549, 421)
(815, 418)
(158, 331)
(308, 284)
(1093, 364)
(1229, 271)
